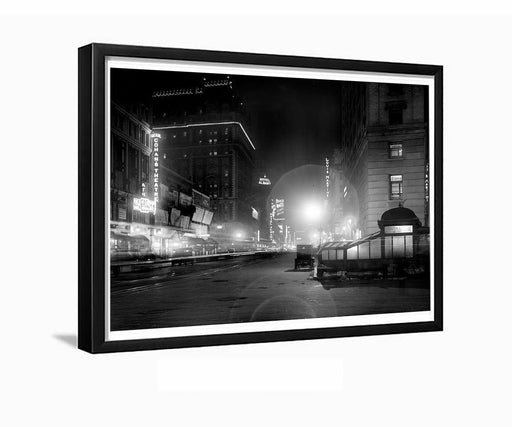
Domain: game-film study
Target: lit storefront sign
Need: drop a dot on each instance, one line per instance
(144, 205)
(156, 165)
(397, 229)
(264, 181)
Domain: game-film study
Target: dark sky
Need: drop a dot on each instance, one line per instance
(292, 122)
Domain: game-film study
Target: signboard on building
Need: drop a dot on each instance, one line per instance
(397, 229)
(255, 214)
(327, 174)
(144, 205)
(200, 199)
(156, 166)
(121, 212)
(185, 199)
(264, 181)
(198, 215)
(175, 214)
(208, 216)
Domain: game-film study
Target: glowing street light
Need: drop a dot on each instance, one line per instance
(312, 212)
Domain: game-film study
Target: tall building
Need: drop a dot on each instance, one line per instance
(384, 149)
(218, 159)
(204, 139)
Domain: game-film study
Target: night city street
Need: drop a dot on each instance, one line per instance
(252, 288)
(240, 198)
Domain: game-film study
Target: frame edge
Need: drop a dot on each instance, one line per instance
(85, 317)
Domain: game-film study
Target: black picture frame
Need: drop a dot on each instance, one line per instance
(92, 196)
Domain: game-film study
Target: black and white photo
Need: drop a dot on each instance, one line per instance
(251, 199)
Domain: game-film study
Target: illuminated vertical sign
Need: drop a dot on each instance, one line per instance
(271, 219)
(427, 194)
(327, 177)
(156, 166)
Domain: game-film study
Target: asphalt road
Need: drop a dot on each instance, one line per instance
(248, 289)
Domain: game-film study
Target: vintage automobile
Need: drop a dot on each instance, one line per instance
(304, 257)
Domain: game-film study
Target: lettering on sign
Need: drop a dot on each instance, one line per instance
(327, 172)
(144, 205)
(156, 166)
(397, 229)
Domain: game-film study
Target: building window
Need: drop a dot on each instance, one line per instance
(396, 116)
(145, 167)
(395, 151)
(396, 187)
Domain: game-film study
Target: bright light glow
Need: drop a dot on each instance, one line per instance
(219, 227)
(144, 205)
(238, 235)
(156, 159)
(312, 212)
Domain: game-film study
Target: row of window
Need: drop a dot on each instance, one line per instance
(394, 247)
(200, 132)
(208, 153)
(396, 188)
(129, 127)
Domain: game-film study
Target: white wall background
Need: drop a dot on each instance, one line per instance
(461, 376)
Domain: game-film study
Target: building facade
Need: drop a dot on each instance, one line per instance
(130, 163)
(152, 207)
(384, 150)
(204, 139)
(218, 158)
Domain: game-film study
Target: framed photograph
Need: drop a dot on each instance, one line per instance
(229, 198)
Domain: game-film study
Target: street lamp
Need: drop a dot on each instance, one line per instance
(312, 212)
